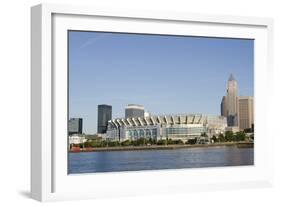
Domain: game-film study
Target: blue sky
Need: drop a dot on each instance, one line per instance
(166, 74)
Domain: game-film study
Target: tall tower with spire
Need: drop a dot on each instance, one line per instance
(231, 101)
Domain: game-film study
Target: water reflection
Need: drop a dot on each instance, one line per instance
(110, 161)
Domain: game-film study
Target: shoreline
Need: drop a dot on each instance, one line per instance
(163, 147)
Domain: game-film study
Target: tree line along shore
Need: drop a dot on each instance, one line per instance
(228, 139)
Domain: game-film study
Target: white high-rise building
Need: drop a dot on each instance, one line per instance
(232, 105)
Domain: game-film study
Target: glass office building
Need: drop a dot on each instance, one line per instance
(75, 126)
(174, 127)
(104, 115)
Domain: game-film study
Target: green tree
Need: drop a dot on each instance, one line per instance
(88, 143)
(103, 143)
(141, 141)
(170, 141)
(229, 136)
(162, 142)
(152, 141)
(93, 143)
(191, 141)
(221, 138)
(178, 141)
(149, 141)
(126, 143)
(113, 144)
(204, 134)
(214, 138)
(240, 136)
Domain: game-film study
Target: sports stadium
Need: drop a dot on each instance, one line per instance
(175, 127)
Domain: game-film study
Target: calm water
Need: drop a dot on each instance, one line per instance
(111, 161)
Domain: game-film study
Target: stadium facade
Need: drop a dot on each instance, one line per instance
(175, 127)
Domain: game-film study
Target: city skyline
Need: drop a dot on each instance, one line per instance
(165, 74)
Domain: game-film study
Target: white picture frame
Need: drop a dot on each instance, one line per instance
(49, 178)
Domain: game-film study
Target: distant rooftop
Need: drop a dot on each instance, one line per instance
(104, 105)
(135, 106)
(166, 119)
(231, 78)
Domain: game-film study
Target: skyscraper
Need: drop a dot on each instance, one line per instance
(75, 126)
(104, 115)
(246, 112)
(223, 107)
(232, 102)
(134, 110)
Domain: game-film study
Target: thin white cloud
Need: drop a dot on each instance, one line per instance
(91, 41)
